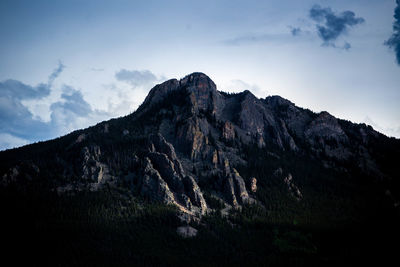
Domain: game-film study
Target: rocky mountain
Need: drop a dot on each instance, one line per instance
(253, 182)
(188, 135)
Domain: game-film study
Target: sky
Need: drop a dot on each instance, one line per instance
(67, 65)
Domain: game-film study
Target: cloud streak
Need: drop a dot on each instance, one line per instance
(256, 39)
(331, 26)
(394, 41)
(57, 71)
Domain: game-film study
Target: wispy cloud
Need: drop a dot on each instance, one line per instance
(57, 71)
(256, 38)
(97, 69)
(394, 41)
(331, 26)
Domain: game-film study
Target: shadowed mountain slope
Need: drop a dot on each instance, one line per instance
(186, 134)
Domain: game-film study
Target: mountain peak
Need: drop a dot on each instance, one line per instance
(160, 91)
(198, 80)
(201, 89)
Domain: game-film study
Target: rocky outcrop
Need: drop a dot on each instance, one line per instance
(92, 169)
(203, 93)
(186, 231)
(234, 187)
(163, 166)
(326, 136)
(253, 185)
(20, 173)
(240, 187)
(194, 193)
(159, 92)
(292, 188)
(153, 185)
(191, 138)
(228, 131)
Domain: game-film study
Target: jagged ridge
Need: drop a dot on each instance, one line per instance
(185, 133)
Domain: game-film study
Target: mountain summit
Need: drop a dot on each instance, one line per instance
(250, 181)
(190, 145)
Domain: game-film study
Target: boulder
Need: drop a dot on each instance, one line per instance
(186, 231)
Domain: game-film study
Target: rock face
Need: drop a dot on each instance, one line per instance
(164, 179)
(92, 169)
(292, 188)
(253, 185)
(187, 138)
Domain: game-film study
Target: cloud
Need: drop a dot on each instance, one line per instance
(18, 126)
(394, 41)
(237, 86)
(17, 90)
(331, 26)
(97, 69)
(295, 31)
(15, 118)
(254, 38)
(57, 71)
(345, 46)
(9, 141)
(72, 102)
(389, 131)
(72, 112)
(247, 39)
(136, 77)
(135, 86)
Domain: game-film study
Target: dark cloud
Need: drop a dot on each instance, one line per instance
(295, 31)
(73, 102)
(136, 77)
(394, 41)
(15, 118)
(346, 46)
(14, 89)
(330, 25)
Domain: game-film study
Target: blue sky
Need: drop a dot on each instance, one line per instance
(67, 65)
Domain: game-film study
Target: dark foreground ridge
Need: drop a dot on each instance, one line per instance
(257, 180)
